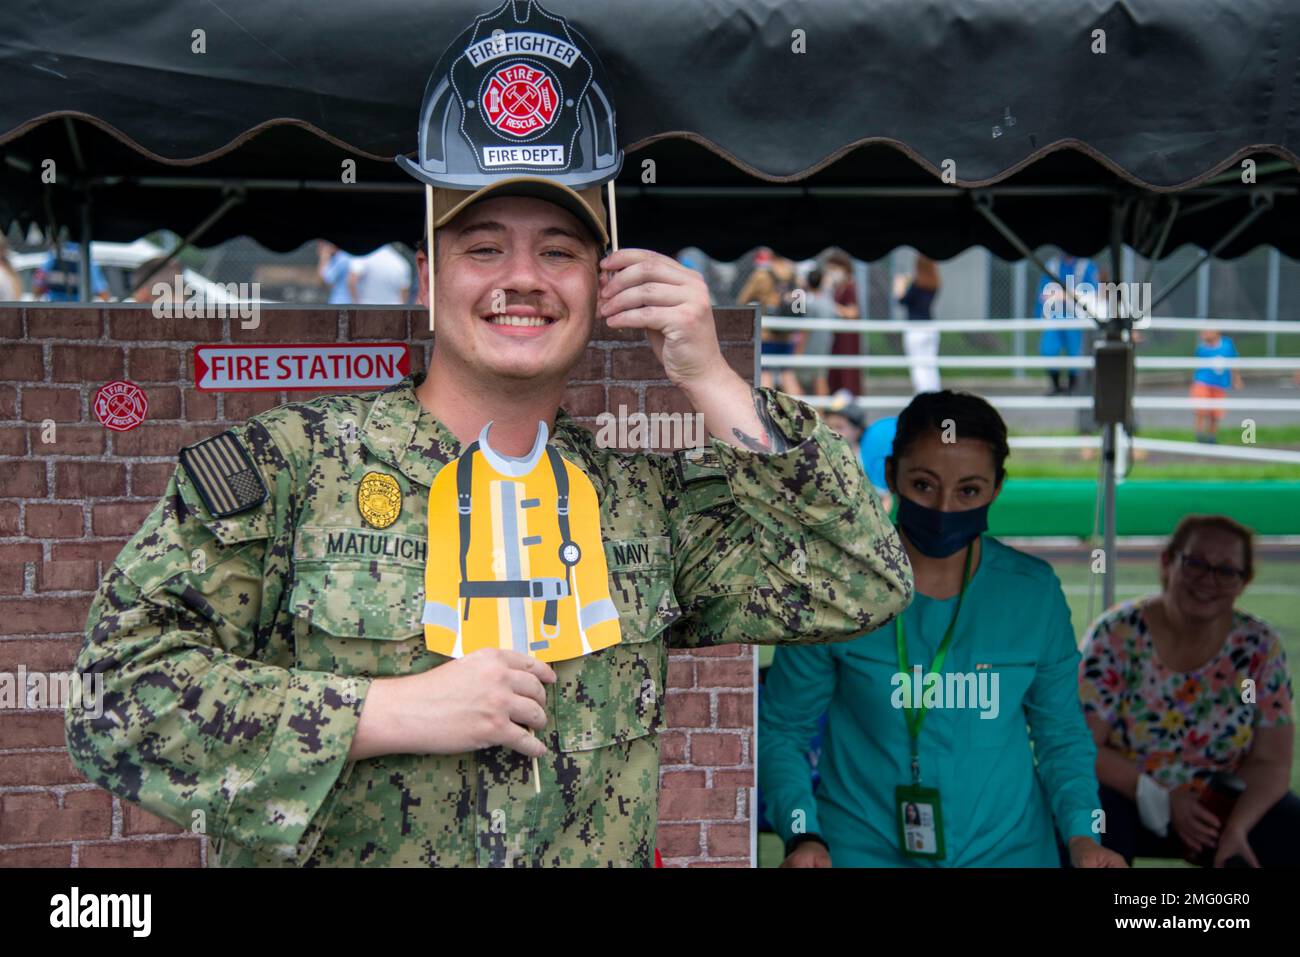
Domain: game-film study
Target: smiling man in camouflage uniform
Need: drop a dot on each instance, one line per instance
(261, 640)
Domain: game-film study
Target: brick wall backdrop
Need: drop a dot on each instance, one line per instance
(66, 508)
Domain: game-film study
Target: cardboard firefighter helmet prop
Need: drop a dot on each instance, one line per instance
(518, 105)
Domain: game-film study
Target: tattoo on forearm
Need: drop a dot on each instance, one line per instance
(772, 440)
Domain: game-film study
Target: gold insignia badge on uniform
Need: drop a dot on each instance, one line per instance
(379, 498)
(225, 476)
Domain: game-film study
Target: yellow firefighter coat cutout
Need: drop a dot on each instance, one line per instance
(516, 557)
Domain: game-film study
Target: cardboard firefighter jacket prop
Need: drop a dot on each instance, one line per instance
(516, 559)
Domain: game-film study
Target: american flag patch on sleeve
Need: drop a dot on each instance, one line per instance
(225, 476)
(699, 464)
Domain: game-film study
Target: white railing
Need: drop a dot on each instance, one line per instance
(1077, 402)
(787, 323)
(1017, 362)
(1140, 402)
(1240, 452)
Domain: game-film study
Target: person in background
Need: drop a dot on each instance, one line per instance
(1212, 381)
(150, 274)
(846, 417)
(1181, 685)
(873, 444)
(815, 342)
(11, 284)
(758, 287)
(1001, 758)
(877, 446)
(917, 296)
(334, 268)
(1051, 298)
(380, 278)
(699, 264)
(844, 291)
(59, 277)
(770, 286)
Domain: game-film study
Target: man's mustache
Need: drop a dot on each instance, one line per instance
(501, 305)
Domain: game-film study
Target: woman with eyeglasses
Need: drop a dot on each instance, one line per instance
(1189, 699)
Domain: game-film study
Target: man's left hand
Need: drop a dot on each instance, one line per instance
(645, 290)
(640, 289)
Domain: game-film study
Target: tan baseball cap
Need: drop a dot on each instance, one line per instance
(587, 205)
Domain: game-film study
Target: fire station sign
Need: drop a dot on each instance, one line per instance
(300, 366)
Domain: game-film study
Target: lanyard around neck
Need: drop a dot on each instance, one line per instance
(915, 715)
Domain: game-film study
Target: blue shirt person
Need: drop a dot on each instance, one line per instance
(60, 276)
(1055, 342)
(1003, 758)
(1212, 345)
(334, 265)
(876, 445)
(1212, 381)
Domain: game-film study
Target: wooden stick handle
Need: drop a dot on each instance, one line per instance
(613, 215)
(428, 214)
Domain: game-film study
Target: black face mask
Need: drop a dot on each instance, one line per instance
(939, 534)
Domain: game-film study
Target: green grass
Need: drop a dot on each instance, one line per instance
(1180, 344)
(1025, 464)
(1070, 464)
(1030, 463)
(1265, 435)
(1165, 343)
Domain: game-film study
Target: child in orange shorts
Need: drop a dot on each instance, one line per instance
(1212, 381)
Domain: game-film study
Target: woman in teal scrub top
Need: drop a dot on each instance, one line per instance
(934, 721)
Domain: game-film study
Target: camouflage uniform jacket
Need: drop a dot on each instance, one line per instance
(237, 652)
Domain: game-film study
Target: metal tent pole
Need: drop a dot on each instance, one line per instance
(1113, 395)
(1270, 308)
(1259, 205)
(1109, 433)
(193, 237)
(1108, 508)
(1018, 309)
(85, 288)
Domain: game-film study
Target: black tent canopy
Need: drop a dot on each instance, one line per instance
(1045, 134)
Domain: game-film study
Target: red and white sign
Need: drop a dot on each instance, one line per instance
(291, 366)
(520, 100)
(120, 406)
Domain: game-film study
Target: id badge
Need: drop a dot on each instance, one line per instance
(920, 822)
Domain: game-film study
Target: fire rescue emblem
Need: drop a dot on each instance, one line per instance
(520, 100)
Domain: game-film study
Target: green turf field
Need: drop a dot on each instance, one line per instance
(1032, 464)
(1030, 507)
(1274, 595)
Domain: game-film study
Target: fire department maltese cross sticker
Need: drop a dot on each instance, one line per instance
(519, 100)
(516, 557)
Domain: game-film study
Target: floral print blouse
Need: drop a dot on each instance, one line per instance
(1182, 726)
